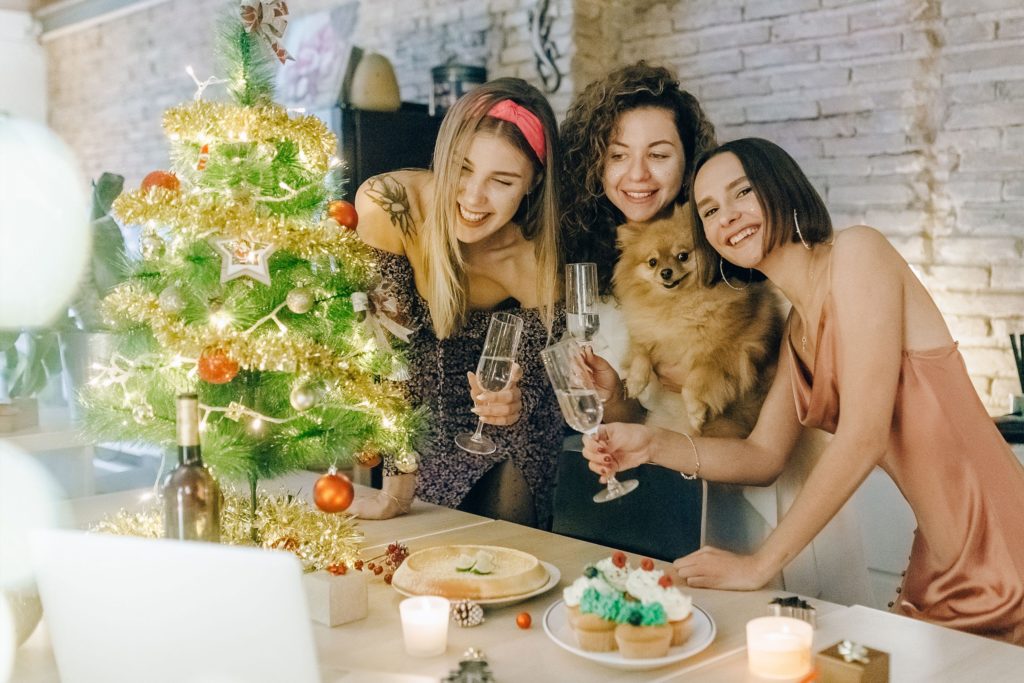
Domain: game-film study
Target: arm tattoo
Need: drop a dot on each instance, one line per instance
(390, 195)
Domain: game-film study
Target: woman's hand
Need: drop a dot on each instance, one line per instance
(606, 380)
(394, 499)
(712, 567)
(501, 408)
(617, 447)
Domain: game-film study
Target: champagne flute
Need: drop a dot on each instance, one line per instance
(493, 372)
(581, 320)
(579, 402)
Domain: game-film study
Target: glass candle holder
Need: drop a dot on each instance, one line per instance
(425, 625)
(779, 647)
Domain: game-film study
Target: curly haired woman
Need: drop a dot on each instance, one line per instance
(629, 145)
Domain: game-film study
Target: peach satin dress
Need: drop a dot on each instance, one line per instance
(962, 481)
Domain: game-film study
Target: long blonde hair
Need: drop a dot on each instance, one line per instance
(537, 217)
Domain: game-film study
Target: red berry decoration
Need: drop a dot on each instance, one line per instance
(333, 492)
(647, 564)
(343, 212)
(665, 581)
(163, 179)
(619, 559)
(217, 367)
(523, 620)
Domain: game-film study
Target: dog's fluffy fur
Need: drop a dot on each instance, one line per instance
(719, 344)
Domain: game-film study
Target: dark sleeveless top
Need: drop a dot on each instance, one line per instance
(438, 382)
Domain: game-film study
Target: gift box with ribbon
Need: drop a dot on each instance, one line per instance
(849, 662)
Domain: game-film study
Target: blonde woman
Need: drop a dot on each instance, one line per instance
(475, 234)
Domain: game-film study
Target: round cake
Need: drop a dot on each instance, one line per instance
(475, 572)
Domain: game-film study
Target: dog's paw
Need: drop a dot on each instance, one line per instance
(639, 376)
(696, 410)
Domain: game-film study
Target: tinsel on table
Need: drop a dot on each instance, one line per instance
(282, 522)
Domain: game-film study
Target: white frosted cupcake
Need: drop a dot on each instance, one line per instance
(615, 570)
(652, 586)
(573, 593)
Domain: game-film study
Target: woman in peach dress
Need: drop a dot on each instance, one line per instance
(863, 335)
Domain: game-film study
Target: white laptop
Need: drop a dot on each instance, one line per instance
(157, 611)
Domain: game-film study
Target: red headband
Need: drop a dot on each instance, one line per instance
(527, 123)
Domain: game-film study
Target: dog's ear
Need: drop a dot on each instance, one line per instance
(626, 234)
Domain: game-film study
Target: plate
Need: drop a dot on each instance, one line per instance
(556, 625)
(554, 576)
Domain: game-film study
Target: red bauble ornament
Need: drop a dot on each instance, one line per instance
(523, 620)
(333, 492)
(163, 179)
(217, 367)
(343, 212)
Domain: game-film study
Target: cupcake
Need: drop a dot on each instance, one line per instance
(615, 570)
(573, 593)
(595, 626)
(643, 631)
(651, 586)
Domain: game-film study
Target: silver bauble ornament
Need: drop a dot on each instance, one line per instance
(151, 247)
(299, 300)
(303, 397)
(407, 462)
(171, 300)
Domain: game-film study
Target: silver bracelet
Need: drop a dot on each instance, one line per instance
(696, 459)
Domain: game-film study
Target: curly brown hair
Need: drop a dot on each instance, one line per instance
(589, 218)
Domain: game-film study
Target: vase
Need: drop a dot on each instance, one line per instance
(80, 353)
(374, 86)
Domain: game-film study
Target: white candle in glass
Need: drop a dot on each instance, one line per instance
(779, 647)
(425, 625)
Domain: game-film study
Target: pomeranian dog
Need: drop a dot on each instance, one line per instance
(718, 343)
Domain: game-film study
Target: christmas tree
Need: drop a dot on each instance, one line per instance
(253, 289)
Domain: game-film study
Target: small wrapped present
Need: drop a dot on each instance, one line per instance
(849, 662)
(336, 599)
(793, 607)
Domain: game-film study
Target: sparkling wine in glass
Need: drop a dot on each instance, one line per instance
(580, 404)
(493, 371)
(581, 319)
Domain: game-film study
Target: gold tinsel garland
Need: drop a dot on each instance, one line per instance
(205, 122)
(271, 352)
(282, 522)
(197, 216)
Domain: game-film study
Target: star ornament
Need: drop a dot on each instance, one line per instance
(244, 259)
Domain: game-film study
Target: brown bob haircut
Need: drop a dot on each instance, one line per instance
(783, 191)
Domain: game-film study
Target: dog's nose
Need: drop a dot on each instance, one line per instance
(666, 274)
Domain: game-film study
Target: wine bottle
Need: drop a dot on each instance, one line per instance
(190, 494)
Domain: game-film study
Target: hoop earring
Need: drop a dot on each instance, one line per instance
(721, 269)
(796, 222)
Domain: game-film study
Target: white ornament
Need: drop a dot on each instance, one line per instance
(299, 300)
(303, 397)
(44, 225)
(244, 259)
(171, 300)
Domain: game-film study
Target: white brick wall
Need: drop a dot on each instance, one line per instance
(907, 114)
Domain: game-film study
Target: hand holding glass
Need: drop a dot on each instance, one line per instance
(493, 372)
(581, 319)
(581, 407)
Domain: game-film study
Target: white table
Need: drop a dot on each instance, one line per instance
(919, 651)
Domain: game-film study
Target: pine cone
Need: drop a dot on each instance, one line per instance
(467, 613)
